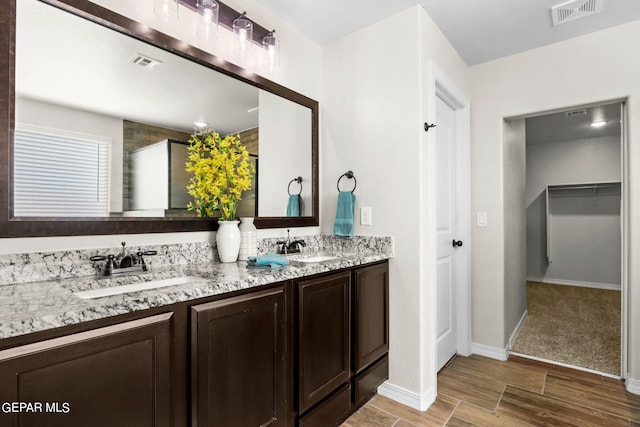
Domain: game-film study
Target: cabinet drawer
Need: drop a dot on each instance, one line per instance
(368, 381)
(329, 413)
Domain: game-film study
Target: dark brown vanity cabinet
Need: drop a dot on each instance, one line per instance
(238, 361)
(112, 376)
(304, 352)
(343, 341)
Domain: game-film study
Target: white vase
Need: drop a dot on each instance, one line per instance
(248, 238)
(228, 241)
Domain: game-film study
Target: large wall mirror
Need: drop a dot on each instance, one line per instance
(98, 115)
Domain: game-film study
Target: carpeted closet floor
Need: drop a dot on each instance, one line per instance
(573, 325)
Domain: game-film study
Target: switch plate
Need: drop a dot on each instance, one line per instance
(481, 219)
(365, 215)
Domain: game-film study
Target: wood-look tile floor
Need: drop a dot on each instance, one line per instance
(476, 391)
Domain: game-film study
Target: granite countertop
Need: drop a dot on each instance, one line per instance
(38, 306)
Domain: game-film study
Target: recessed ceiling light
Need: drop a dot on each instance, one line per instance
(598, 123)
(200, 125)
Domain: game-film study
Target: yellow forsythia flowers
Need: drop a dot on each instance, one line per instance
(221, 172)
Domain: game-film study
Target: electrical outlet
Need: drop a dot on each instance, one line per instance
(365, 216)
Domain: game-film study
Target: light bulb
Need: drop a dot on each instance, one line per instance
(208, 26)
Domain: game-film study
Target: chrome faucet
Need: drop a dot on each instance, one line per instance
(123, 263)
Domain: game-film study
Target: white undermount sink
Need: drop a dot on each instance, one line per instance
(135, 287)
(317, 258)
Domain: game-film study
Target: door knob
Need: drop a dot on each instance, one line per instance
(457, 243)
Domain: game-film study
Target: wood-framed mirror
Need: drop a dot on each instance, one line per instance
(48, 102)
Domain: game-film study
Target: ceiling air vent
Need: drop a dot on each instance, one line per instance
(576, 113)
(145, 61)
(574, 9)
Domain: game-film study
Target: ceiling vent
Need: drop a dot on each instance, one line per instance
(574, 9)
(576, 113)
(145, 61)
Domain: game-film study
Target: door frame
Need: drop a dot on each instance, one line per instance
(439, 85)
(625, 215)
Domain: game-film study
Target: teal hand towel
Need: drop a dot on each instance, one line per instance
(293, 207)
(345, 214)
(268, 260)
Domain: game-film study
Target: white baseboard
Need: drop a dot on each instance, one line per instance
(633, 386)
(516, 331)
(406, 397)
(608, 286)
(490, 352)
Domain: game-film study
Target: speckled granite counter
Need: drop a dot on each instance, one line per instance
(42, 305)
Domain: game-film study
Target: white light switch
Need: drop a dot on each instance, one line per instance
(481, 219)
(365, 216)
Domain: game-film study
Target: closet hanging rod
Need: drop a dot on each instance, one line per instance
(582, 187)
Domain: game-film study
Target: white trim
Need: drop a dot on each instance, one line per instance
(625, 215)
(490, 352)
(420, 402)
(516, 331)
(566, 365)
(595, 285)
(633, 386)
(439, 85)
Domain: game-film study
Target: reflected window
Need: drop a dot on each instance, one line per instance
(60, 173)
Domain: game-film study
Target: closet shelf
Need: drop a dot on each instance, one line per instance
(584, 186)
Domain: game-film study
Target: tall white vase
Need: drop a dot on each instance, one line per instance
(248, 238)
(228, 241)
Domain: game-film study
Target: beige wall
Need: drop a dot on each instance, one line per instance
(597, 67)
(375, 102)
(515, 295)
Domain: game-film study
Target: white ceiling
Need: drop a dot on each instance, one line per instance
(480, 30)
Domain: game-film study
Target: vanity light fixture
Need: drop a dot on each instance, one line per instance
(271, 46)
(243, 30)
(214, 13)
(166, 9)
(208, 21)
(598, 123)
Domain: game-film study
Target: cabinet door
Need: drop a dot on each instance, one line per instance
(324, 323)
(113, 376)
(238, 361)
(371, 314)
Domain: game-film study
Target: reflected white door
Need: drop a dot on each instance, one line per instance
(446, 233)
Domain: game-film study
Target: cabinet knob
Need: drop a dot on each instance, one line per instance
(457, 243)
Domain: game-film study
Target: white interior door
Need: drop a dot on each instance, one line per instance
(447, 241)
